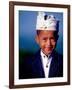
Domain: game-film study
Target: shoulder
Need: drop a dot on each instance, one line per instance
(58, 58)
(57, 55)
(36, 55)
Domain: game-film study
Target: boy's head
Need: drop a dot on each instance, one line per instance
(47, 32)
(47, 40)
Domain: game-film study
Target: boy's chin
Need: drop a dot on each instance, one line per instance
(48, 53)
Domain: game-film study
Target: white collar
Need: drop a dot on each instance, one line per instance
(46, 61)
(44, 56)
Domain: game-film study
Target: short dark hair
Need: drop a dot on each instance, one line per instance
(56, 35)
(38, 31)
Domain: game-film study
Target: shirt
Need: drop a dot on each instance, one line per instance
(46, 62)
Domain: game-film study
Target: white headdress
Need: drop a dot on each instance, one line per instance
(45, 22)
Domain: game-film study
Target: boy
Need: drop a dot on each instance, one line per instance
(47, 62)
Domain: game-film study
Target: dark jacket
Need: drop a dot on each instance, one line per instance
(56, 68)
(32, 67)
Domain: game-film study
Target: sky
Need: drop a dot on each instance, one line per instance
(27, 30)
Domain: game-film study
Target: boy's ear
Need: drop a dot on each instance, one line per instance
(37, 39)
(57, 37)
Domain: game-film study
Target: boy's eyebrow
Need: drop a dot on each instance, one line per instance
(45, 37)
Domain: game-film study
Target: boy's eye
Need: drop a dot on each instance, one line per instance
(44, 38)
(52, 39)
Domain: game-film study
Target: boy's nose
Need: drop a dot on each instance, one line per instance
(48, 42)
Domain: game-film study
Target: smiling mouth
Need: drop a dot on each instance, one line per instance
(48, 48)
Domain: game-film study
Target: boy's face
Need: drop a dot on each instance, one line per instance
(46, 41)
